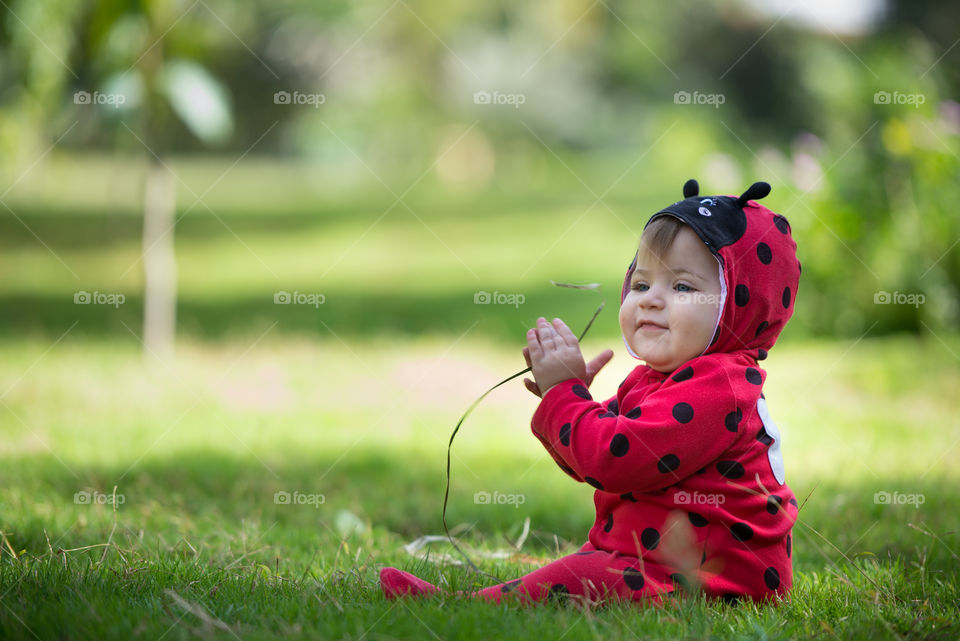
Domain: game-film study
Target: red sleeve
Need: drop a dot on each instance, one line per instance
(547, 444)
(688, 422)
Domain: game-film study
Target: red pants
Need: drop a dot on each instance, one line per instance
(590, 574)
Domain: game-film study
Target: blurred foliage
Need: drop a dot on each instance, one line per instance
(857, 131)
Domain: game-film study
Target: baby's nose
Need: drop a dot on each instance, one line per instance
(651, 298)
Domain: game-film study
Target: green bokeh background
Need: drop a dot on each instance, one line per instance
(398, 195)
(597, 114)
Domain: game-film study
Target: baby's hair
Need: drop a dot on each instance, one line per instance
(659, 234)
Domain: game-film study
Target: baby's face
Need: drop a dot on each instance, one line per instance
(670, 313)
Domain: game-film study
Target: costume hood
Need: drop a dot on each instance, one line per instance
(758, 262)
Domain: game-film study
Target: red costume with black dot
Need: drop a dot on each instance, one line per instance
(687, 466)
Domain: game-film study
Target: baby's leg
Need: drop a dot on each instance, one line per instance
(590, 574)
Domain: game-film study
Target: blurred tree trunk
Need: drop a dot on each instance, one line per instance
(159, 202)
(159, 261)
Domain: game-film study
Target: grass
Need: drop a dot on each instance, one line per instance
(266, 227)
(354, 401)
(198, 449)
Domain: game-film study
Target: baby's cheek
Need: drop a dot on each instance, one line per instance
(625, 316)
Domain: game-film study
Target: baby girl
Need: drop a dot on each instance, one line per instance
(685, 459)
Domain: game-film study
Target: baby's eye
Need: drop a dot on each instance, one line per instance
(683, 287)
(640, 287)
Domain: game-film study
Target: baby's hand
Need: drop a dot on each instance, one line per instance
(553, 352)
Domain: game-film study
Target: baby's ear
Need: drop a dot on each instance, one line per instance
(756, 191)
(691, 188)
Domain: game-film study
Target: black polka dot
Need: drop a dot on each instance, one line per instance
(510, 587)
(753, 376)
(764, 253)
(773, 503)
(794, 503)
(633, 578)
(613, 406)
(772, 578)
(559, 591)
(761, 328)
(763, 437)
(702, 470)
(565, 434)
(680, 582)
(683, 412)
(741, 531)
(789, 546)
(799, 267)
(730, 469)
(609, 524)
(761, 354)
(730, 597)
(697, 520)
(581, 391)
(668, 463)
(785, 299)
(732, 420)
(685, 374)
(592, 481)
(567, 469)
(634, 413)
(606, 415)
(781, 223)
(619, 445)
(650, 538)
(628, 496)
(741, 295)
(584, 552)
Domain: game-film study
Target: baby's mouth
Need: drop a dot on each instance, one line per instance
(650, 326)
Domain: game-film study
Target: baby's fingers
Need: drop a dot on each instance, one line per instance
(530, 385)
(568, 336)
(597, 364)
(533, 349)
(547, 334)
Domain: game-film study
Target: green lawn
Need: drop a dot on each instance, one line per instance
(199, 547)
(384, 266)
(350, 404)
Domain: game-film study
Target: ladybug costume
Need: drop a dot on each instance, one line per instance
(687, 466)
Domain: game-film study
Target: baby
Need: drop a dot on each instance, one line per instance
(685, 459)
